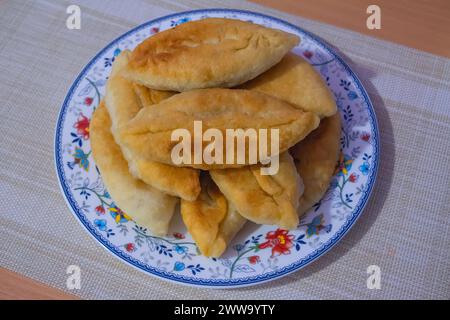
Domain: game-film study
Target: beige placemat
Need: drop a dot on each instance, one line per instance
(404, 229)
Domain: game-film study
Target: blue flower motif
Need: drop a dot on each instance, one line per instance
(316, 225)
(179, 266)
(238, 247)
(180, 249)
(118, 215)
(174, 23)
(345, 164)
(81, 158)
(100, 223)
(364, 168)
(352, 95)
(116, 52)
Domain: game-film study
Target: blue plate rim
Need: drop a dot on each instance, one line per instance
(214, 283)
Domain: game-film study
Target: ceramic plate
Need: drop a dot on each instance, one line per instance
(258, 253)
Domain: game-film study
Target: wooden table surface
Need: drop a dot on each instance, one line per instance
(420, 24)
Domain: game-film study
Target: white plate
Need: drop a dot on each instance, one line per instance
(258, 253)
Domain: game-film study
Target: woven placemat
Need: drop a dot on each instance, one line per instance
(404, 229)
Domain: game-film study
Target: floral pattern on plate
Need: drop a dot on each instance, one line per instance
(258, 253)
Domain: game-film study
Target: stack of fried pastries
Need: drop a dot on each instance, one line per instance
(228, 74)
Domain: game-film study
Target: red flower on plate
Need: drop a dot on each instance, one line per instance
(178, 235)
(353, 177)
(365, 137)
(279, 240)
(88, 101)
(308, 54)
(130, 247)
(253, 259)
(100, 209)
(154, 30)
(82, 126)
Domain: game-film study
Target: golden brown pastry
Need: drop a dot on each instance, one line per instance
(263, 199)
(123, 100)
(213, 52)
(147, 206)
(296, 81)
(149, 133)
(149, 96)
(315, 159)
(211, 219)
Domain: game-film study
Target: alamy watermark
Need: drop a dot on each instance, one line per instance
(374, 20)
(237, 151)
(374, 279)
(73, 21)
(73, 281)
